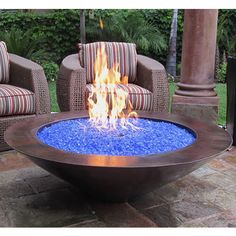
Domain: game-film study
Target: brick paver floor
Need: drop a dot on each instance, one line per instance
(30, 196)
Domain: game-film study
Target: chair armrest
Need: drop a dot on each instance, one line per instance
(71, 84)
(152, 75)
(29, 75)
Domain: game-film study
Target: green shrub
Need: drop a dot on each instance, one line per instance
(23, 43)
(128, 26)
(162, 19)
(27, 45)
(222, 73)
(226, 31)
(51, 70)
(59, 29)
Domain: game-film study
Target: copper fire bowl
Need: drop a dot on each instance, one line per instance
(118, 178)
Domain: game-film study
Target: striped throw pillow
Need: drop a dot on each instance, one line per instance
(123, 54)
(4, 64)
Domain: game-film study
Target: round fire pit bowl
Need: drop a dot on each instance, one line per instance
(118, 178)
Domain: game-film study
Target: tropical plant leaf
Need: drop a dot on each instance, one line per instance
(24, 43)
(129, 26)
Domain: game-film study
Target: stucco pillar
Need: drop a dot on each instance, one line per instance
(195, 95)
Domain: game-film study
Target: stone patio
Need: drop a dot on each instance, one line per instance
(30, 196)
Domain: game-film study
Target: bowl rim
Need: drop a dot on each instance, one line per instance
(211, 140)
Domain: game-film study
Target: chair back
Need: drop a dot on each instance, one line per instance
(4, 64)
(120, 53)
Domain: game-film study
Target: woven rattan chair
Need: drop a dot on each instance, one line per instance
(29, 76)
(73, 84)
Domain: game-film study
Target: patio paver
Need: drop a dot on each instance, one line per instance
(30, 196)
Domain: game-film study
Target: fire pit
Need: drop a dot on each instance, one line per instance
(114, 155)
(113, 177)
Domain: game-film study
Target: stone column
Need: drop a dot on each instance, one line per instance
(195, 95)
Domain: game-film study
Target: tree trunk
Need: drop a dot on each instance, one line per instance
(82, 26)
(171, 59)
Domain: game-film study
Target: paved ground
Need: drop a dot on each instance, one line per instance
(30, 196)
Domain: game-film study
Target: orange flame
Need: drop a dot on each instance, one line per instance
(101, 24)
(105, 114)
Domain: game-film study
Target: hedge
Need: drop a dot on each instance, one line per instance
(60, 29)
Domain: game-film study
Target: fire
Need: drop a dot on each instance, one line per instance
(105, 114)
(101, 24)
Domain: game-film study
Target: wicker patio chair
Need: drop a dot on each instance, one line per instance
(26, 84)
(148, 80)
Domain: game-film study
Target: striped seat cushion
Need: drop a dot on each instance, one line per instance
(140, 98)
(15, 100)
(4, 64)
(123, 54)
